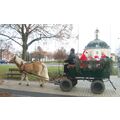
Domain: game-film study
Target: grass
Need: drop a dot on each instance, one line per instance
(4, 69)
(114, 71)
(53, 71)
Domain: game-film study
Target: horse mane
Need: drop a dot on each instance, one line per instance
(19, 61)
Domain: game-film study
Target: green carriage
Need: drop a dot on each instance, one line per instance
(93, 71)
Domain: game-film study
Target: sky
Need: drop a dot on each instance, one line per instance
(109, 33)
(87, 14)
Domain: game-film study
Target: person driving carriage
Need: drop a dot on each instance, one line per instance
(71, 57)
(70, 60)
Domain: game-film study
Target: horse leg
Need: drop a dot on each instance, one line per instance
(22, 78)
(42, 83)
(26, 78)
(40, 80)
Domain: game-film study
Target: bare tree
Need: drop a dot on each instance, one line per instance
(4, 46)
(38, 54)
(26, 34)
(60, 54)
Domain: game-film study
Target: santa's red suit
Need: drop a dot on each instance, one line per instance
(83, 56)
(97, 57)
(103, 56)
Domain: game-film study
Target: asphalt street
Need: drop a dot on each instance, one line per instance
(82, 89)
(17, 93)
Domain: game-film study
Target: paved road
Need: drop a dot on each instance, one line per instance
(51, 90)
(17, 93)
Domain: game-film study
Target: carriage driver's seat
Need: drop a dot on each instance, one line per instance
(70, 62)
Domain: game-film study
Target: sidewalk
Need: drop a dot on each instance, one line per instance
(81, 89)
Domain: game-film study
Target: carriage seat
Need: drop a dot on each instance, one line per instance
(71, 66)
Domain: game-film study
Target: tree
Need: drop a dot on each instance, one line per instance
(60, 54)
(38, 54)
(4, 46)
(26, 34)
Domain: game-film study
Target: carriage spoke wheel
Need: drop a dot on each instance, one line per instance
(97, 87)
(66, 85)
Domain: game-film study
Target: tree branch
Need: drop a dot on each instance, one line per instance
(37, 39)
(10, 38)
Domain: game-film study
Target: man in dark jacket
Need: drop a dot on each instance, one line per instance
(71, 57)
(70, 60)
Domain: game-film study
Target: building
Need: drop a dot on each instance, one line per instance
(97, 48)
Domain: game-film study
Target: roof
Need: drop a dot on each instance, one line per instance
(96, 44)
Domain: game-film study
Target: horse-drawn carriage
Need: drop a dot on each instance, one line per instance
(94, 71)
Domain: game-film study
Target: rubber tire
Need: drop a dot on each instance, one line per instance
(97, 87)
(66, 85)
(74, 82)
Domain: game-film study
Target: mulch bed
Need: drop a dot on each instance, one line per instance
(5, 94)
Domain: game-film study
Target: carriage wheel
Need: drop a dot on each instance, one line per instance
(66, 85)
(97, 87)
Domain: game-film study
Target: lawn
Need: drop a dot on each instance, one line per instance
(53, 71)
(4, 68)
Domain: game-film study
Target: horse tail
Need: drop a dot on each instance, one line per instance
(43, 66)
(45, 70)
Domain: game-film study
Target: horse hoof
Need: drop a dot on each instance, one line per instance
(41, 85)
(27, 85)
(19, 83)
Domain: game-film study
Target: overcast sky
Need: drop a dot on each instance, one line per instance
(109, 33)
(88, 14)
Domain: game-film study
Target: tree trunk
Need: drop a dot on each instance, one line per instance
(24, 52)
(24, 40)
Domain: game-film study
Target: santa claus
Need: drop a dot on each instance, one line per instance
(84, 56)
(103, 56)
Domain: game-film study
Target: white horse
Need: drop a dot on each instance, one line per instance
(36, 68)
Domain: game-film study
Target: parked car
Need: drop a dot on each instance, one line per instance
(3, 62)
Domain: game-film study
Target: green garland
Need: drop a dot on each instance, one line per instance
(96, 68)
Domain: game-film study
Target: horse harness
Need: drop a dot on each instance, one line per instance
(22, 69)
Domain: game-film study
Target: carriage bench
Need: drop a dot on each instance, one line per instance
(13, 73)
